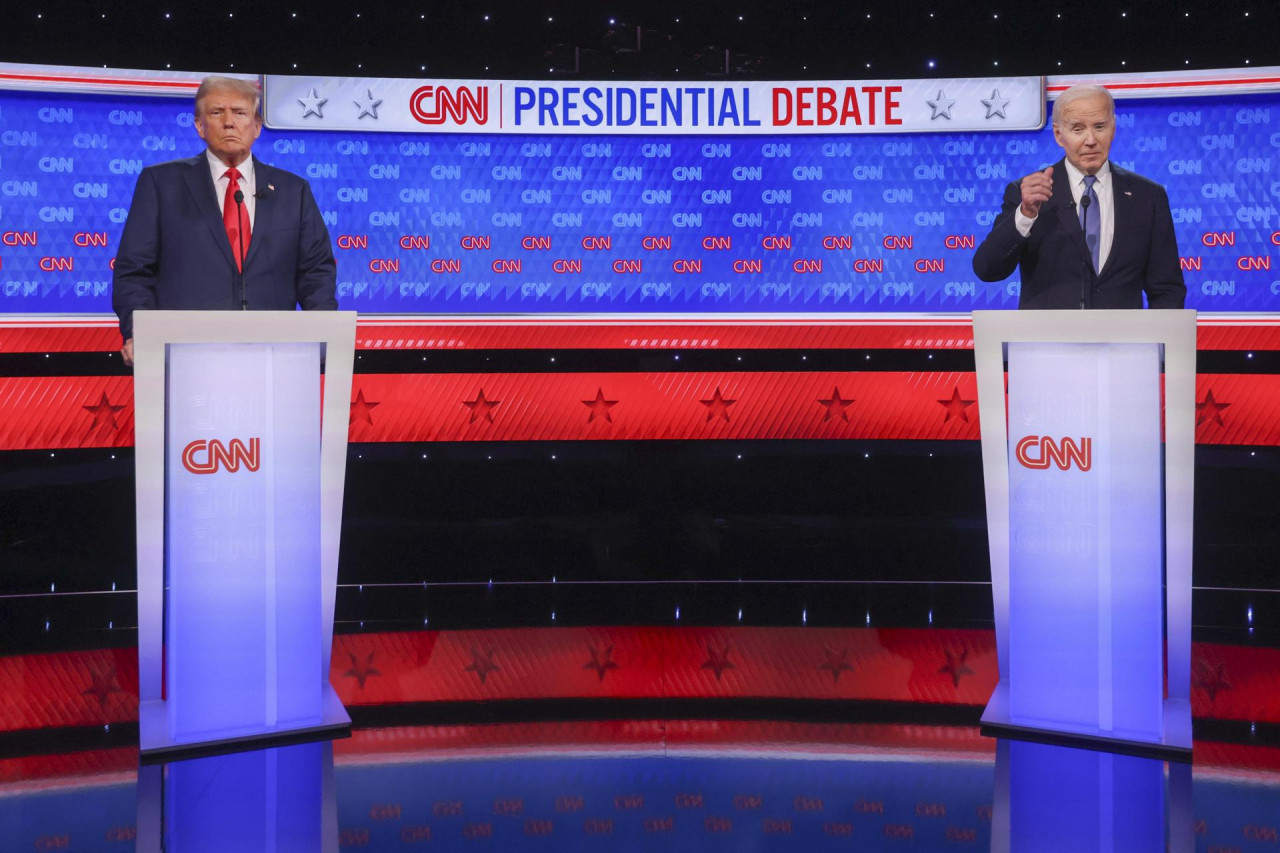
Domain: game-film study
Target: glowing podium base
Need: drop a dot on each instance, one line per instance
(1089, 517)
(239, 489)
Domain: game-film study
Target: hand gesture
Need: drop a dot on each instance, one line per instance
(1037, 188)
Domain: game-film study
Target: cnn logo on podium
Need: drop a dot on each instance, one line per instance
(1038, 452)
(209, 457)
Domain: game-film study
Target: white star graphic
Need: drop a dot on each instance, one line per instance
(312, 103)
(995, 104)
(368, 106)
(941, 107)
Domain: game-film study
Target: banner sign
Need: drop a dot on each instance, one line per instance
(653, 108)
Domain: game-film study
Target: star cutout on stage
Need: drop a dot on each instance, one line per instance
(836, 663)
(1208, 408)
(718, 660)
(480, 407)
(941, 106)
(103, 413)
(361, 408)
(1211, 678)
(368, 105)
(481, 663)
(104, 684)
(836, 406)
(956, 406)
(601, 662)
(955, 666)
(361, 671)
(718, 405)
(600, 407)
(995, 104)
(312, 104)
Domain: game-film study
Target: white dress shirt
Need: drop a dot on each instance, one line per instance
(247, 184)
(1106, 208)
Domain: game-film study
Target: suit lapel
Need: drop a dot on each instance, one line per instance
(200, 183)
(264, 208)
(1067, 209)
(1124, 220)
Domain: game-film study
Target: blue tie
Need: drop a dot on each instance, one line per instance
(1091, 219)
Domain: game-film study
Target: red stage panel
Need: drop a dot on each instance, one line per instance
(55, 413)
(658, 406)
(939, 666)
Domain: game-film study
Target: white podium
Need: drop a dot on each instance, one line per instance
(239, 498)
(1089, 519)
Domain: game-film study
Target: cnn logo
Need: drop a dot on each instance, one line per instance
(208, 457)
(1038, 452)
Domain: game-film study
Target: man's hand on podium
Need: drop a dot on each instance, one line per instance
(126, 352)
(1037, 188)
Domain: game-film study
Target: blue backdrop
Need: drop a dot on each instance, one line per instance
(470, 223)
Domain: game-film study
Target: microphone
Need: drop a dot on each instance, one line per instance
(239, 197)
(1084, 272)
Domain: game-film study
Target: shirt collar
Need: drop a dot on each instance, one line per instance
(219, 168)
(1075, 177)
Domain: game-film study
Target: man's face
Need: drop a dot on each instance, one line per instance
(1085, 129)
(226, 121)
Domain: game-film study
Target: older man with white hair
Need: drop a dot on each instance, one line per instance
(222, 230)
(1086, 233)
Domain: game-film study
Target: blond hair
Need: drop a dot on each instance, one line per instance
(229, 84)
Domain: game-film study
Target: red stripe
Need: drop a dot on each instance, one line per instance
(1177, 84)
(55, 334)
(112, 81)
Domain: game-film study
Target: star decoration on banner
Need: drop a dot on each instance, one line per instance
(995, 104)
(718, 660)
(368, 105)
(836, 663)
(361, 671)
(1211, 678)
(601, 662)
(104, 414)
(600, 407)
(955, 666)
(941, 106)
(361, 408)
(312, 104)
(1208, 408)
(956, 406)
(718, 405)
(104, 684)
(481, 663)
(836, 406)
(480, 407)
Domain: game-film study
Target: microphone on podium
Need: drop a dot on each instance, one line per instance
(1084, 271)
(244, 298)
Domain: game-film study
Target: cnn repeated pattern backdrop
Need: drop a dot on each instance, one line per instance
(471, 223)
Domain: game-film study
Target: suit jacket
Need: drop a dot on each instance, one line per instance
(1055, 261)
(174, 252)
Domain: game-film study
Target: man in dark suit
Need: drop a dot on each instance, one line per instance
(222, 231)
(1086, 233)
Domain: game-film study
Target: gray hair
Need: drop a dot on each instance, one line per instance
(1083, 90)
(229, 84)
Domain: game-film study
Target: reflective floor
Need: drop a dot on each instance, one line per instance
(648, 785)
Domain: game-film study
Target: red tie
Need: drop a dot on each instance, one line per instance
(236, 218)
